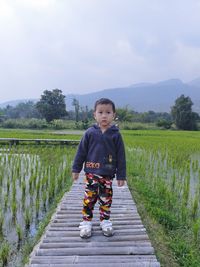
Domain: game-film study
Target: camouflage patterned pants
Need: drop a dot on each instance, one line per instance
(97, 188)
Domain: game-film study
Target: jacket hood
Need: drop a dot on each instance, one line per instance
(112, 128)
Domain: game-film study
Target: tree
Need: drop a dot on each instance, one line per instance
(166, 124)
(52, 105)
(26, 110)
(76, 105)
(182, 114)
(124, 114)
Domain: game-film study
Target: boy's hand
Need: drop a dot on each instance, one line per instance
(120, 183)
(75, 176)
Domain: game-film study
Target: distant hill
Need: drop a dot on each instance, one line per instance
(141, 97)
(158, 97)
(14, 103)
(195, 82)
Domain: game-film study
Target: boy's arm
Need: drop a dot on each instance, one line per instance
(80, 157)
(121, 160)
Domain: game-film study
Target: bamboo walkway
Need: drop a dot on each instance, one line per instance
(17, 141)
(61, 245)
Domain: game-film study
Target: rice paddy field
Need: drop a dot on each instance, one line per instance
(163, 170)
(33, 178)
(164, 174)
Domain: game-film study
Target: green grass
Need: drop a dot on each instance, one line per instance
(37, 134)
(162, 165)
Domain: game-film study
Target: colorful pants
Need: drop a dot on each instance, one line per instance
(97, 188)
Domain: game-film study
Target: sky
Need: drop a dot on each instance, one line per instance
(82, 46)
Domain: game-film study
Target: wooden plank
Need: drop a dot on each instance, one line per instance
(16, 141)
(118, 232)
(92, 259)
(62, 246)
(136, 264)
(94, 244)
(99, 238)
(68, 228)
(75, 223)
(132, 250)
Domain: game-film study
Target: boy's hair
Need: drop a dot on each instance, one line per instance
(104, 101)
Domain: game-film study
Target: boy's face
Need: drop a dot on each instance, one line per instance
(104, 115)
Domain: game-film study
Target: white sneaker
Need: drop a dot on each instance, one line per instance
(85, 229)
(106, 226)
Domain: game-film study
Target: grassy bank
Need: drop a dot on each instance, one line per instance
(37, 134)
(164, 178)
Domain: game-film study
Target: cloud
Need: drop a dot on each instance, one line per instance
(36, 4)
(186, 60)
(6, 11)
(125, 52)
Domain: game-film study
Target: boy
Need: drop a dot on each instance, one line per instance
(102, 152)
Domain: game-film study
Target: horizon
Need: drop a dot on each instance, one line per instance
(103, 89)
(142, 97)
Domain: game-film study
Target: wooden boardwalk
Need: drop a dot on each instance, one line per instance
(61, 245)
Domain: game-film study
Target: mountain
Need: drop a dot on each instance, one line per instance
(140, 97)
(195, 82)
(158, 97)
(14, 103)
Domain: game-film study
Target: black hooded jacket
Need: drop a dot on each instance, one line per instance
(101, 153)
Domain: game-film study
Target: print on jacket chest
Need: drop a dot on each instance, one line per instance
(93, 165)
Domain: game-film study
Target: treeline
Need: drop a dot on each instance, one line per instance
(51, 109)
(29, 111)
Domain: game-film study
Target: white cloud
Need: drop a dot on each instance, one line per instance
(186, 60)
(6, 11)
(125, 52)
(36, 4)
(127, 60)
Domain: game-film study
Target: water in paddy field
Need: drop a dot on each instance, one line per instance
(195, 173)
(162, 165)
(11, 191)
(26, 191)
